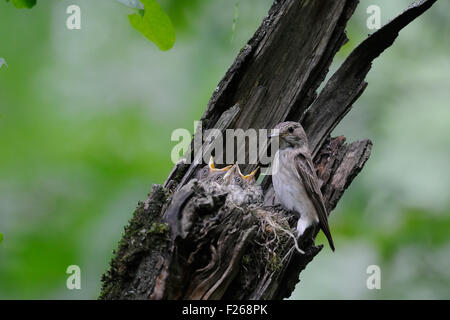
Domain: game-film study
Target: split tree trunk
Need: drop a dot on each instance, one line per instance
(196, 239)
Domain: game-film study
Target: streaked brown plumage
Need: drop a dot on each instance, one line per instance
(295, 181)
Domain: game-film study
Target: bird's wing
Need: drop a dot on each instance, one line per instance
(307, 173)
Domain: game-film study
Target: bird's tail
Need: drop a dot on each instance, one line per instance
(326, 230)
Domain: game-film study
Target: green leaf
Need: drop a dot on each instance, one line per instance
(23, 3)
(1, 237)
(154, 24)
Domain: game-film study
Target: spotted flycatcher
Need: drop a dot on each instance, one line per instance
(295, 181)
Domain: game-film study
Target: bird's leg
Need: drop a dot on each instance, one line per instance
(306, 239)
(293, 213)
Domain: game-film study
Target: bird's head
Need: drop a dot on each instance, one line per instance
(290, 135)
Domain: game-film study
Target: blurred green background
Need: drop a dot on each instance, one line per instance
(86, 118)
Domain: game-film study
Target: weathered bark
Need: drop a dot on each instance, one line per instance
(198, 238)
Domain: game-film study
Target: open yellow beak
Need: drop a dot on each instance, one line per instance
(249, 176)
(212, 167)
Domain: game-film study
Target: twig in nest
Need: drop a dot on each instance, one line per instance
(266, 217)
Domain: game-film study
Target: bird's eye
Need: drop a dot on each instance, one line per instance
(291, 129)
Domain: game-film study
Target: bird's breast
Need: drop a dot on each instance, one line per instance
(288, 186)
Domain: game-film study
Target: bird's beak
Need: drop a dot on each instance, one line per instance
(249, 176)
(212, 167)
(230, 172)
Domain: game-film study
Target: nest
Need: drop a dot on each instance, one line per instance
(274, 239)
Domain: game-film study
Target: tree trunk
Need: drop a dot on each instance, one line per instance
(195, 238)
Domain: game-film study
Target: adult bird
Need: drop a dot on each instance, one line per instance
(294, 178)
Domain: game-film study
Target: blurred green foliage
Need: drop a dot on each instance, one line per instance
(23, 3)
(85, 130)
(151, 20)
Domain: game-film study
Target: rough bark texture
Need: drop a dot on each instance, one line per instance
(197, 237)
